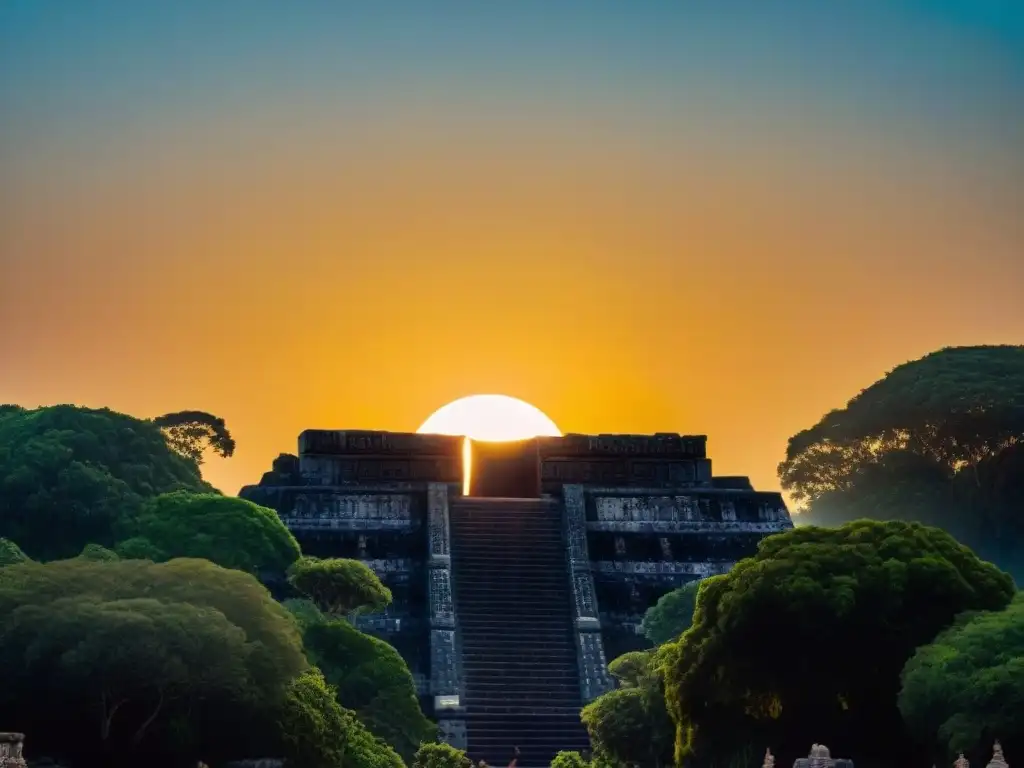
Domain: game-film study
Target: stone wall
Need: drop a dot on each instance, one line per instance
(593, 664)
(663, 461)
(644, 542)
(444, 654)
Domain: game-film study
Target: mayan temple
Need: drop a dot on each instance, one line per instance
(518, 569)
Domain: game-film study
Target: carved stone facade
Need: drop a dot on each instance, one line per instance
(641, 515)
(11, 746)
(593, 664)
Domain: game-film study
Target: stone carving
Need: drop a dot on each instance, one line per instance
(660, 568)
(438, 523)
(662, 444)
(962, 762)
(444, 678)
(769, 759)
(11, 745)
(997, 761)
(594, 677)
(820, 757)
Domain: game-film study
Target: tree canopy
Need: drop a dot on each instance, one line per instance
(671, 615)
(338, 586)
(69, 476)
(372, 679)
(441, 756)
(967, 687)
(631, 725)
(811, 634)
(190, 433)
(320, 733)
(937, 440)
(229, 531)
(151, 663)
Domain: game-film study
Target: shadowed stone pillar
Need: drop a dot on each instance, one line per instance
(444, 666)
(594, 677)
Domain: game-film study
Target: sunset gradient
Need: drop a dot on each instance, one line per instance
(638, 217)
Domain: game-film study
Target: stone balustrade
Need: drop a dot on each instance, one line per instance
(11, 746)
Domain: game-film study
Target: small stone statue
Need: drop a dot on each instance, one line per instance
(769, 759)
(997, 761)
(962, 762)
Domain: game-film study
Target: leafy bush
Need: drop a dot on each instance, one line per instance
(968, 685)
(811, 634)
(69, 476)
(441, 756)
(373, 680)
(232, 532)
(671, 615)
(340, 587)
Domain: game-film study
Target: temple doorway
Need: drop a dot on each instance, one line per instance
(503, 470)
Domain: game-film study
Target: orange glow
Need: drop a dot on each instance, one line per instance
(467, 464)
(488, 418)
(737, 290)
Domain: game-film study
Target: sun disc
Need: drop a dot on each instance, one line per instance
(490, 418)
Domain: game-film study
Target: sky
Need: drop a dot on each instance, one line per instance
(720, 218)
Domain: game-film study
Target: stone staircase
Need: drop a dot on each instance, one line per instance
(520, 681)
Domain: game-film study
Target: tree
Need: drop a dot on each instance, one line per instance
(229, 531)
(956, 406)
(966, 688)
(69, 476)
(441, 756)
(191, 432)
(340, 587)
(570, 760)
(922, 444)
(371, 679)
(96, 552)
(631, 725)
(152, 663)
(10, 553)
(319, 733)
(671, 615)
(810, 636)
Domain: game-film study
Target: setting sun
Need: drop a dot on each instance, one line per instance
(490, 418)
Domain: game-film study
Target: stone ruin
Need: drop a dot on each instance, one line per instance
(11, 746)
(997, 761)
(819, 757)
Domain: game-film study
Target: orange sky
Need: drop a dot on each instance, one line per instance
(734, 267)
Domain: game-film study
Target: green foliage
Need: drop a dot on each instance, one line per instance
(139, 548)
(441, 756)
(632, 669)
(937, 440)
(319, 733)
(151, 663)
(304, 612)
(671, 615)
(373, 680)
(96, 552)
(231, 532)
(811, 634)
(11, 554)
(570, 760)
(631, 725)
(69, 476)
(190, 432)
(967, 687)
(339, 587)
